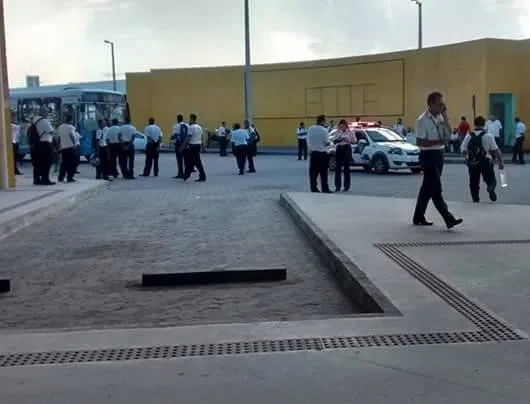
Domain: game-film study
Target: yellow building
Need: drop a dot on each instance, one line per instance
(488, 74)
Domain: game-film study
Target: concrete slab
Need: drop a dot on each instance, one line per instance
(28, 204)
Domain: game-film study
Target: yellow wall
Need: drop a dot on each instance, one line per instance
(382, 87)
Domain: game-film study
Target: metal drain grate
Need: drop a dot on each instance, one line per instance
(476, 314)
(452, 243)
(246, 348)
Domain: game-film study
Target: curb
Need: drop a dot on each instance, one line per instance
(39, 214)
(348, 275)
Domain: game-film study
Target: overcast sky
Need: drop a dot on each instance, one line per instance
(62, 40)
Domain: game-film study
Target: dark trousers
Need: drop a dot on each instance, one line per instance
(102, 170)
(486, 170)
(130, 152)
(241, 157)
(68, 164)
(251, 153)
(114, 155)
(222, 146)
(180, 160)
(343, 158)
(77, 157)
(15, 157)
(152, 153)
(125, 159)
(42, 157)
(193, 160)
(302, 149)
(500, 142)
(432, 162)
(318, 167)
(518, 151)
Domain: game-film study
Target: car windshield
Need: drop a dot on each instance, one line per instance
(381, 135)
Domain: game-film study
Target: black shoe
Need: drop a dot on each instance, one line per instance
(47, 183)
(72, 180)
(156, 175)
(346, 190)
(98, 177)
(422, 223)
(18, 173)
(493, 196)
(241, 173)
(315, 190)
(201, 180)
(107, 179)
(454, 222)
(77, 172)
(328, 191)
(144, 175)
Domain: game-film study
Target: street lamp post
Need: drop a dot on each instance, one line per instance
(113, 64)
(420, 22)
(6, 163)
(248, 73)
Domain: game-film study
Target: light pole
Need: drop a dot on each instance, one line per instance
(113, 63)
(420, 22)
(248, 73)
(7, 178)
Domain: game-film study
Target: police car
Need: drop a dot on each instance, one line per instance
(380, 149)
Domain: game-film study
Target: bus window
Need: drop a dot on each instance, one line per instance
(54, 109)
(29, 107)
(88, 116)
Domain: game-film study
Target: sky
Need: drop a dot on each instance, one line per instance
(63, 40)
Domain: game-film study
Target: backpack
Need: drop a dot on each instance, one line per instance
(33, 133)
(183, 133)
(475, 151)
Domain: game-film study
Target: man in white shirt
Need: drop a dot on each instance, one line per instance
(113, 140)
(193, 155)
(494, 126)
(399, 128)
(518, 151)
(221, 134)
(67, 146)
(102, 151)
(252, 146)
(77, 137)
(152, 150)
(42, 147)
(126, 136)
(15, 134)
(180, 134)
(480, 146)
(240, 138)
(301, 136)
(433, 131)
(318, 144)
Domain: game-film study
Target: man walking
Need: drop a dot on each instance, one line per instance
(318, 143)
(180, 134)
(67, 148)
(433, 130)
(494, 126)
(518, 151)
(239, 144)
(221, 134)
(193, 155)
(41, 135)
(252, 146)
(479, 145)
(113, 140)
(102, 151)
(301, 135)
(152, 151)
(127, 134)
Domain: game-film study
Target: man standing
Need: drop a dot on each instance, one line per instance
(152, 151)
(221, 134)
(494, 126)
(67, 148)
(479, 146)
(180, 134)
(127, 134)
(193, 155)
(520, 129)
(15, 134)
(399, 128)
(77, 137)
(433, 130)
(239, 144)
(318, 143)
(113, 140)
(301, 135)
(251, 146)
(102, 151)
(43, 148)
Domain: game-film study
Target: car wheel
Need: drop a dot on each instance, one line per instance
(332, 163)
(380, 165)
(415, 170)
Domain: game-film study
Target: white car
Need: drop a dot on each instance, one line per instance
(381, 149)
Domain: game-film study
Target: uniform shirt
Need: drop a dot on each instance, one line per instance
(343, 138)
(240, 137)
(153, 132)
(176, 131)
(488, 142)
(221, 132)
(400, 129)
(127, 133)
(15, 133)
(101, 137)
(44, 129)
(113, 134)
(301, 133)
(66, 135)
(105, 135)
(195, 134)
(494, 127)
(520, 129)
(318, 138)
(433, 128)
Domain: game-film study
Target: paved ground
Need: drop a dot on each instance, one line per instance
(82, 267)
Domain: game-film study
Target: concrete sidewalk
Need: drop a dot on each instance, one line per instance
(27, 204)
(454, 327)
